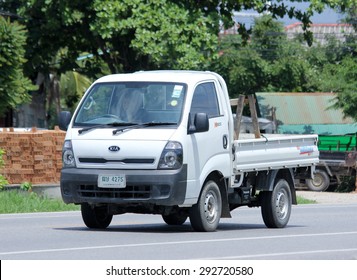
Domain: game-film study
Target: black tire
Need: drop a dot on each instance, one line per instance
(95, 217)
(176, 219)
(320, 183)
(205, 215)
(276, 205)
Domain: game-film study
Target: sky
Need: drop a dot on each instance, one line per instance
(327, 16)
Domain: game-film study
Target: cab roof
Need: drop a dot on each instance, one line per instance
(176, 76)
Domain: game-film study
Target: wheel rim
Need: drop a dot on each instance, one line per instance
(211, 208)
(318, 180)
(282, 205)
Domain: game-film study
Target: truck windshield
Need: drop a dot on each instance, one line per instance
(131, 103)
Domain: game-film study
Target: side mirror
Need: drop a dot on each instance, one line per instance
(200, 123)
(64, 120)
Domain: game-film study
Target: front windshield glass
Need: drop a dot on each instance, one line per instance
(132, 102)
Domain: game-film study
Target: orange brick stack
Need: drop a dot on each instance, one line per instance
(32, 156)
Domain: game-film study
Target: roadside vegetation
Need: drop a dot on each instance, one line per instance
(3, 180)
(302, 200)
(21, 201)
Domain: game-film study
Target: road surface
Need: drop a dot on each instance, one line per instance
(315, 232)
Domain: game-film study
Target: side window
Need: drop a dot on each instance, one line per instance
(96, 104)
(205, 100)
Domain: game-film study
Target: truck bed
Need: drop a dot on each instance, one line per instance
(274, 151)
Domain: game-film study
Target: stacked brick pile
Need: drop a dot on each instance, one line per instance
(34, 156)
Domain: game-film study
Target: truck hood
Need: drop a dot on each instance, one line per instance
(147, 133)
(131, 149)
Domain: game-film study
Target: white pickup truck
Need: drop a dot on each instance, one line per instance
(162, 142)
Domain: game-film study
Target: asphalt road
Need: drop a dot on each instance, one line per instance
(315, 232)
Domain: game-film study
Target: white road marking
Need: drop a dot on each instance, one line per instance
(285, 254)
(176, 243)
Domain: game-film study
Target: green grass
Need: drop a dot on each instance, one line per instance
(17, 201)
(301, 200)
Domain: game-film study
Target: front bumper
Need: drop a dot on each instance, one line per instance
(158, 187)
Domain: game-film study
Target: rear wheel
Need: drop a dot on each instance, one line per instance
(205, 215)
(95, 217)
(276, 205)
(320, 182)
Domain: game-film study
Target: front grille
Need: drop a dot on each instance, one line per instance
(126, 160)
(130, 192)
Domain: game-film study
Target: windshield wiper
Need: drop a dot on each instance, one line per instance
(137, 125)
(104, 125)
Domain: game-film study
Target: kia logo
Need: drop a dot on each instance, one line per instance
(114, 148)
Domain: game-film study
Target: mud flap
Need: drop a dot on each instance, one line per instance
(226, 212)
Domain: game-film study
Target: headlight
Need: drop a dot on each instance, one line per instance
(171, 156)
(68, 155)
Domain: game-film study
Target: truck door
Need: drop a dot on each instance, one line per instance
(210, 150)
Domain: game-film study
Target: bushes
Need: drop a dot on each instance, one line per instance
(347, 184)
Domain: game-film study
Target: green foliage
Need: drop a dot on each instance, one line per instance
(133, 32)
(243, 70)
(26, 186)
(347, 184)
(351, 12)
(3, 181)
(126, 34)
(268, 37)
(72, 87)
(292, 74)
(14, 86)
(342, 78)
(270, 62)
(130, 35)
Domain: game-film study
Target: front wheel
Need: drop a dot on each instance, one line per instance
(95, 217)
(205, 215)
(276, 205)
(175, 219)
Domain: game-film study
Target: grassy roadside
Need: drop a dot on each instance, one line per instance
(19, 201)
(302, 200)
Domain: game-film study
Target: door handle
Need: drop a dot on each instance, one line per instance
(225, 141)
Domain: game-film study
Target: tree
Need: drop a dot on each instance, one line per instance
(288, 67)
(72, 87)
(130, 35)
(14, 86)
(268, 62)
(132, 32)
(277, 9)
(244, 71)
(127, 35)
(351, 15)
(268, 37)
(342, 79)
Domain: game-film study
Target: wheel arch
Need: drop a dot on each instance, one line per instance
(266, 181)
(223, 185)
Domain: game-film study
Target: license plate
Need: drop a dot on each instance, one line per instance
(112, 181)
